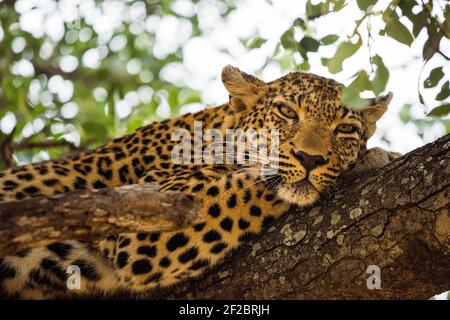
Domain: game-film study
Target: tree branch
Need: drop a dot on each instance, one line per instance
(44, 144)
(92, 215)
(444, 55)
(396, 218)
(8, 147)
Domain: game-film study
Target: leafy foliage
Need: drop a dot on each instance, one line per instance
(393, 17)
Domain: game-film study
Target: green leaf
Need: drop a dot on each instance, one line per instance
(421, 98)
(405, 113)
(407, 6)
(299, 22)
(440, 111)
(286, 62)
(445, 92)
(316, 10)
(303, 52)
(433, 79)
(381, 76)
(288, 41)
(350, 94)
(447, 18)
(364, 4)
(329, 39)
(324, 61)
(338, 5)
(344, 51)
(256, 42)
(309, 44)
(446, 124)
(397, 31)
(304, 66)
(419, 22)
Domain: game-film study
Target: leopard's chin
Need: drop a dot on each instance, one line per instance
(301, 193)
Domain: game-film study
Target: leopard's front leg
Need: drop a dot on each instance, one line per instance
(235, 206)
(374, 158)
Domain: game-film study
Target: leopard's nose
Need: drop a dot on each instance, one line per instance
(308, 161)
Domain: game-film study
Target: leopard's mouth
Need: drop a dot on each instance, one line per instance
(304, 186)
(302, 193)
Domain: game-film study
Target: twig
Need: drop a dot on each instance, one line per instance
(443, 55)
(44, 144)
(8, 147)
(7, 150)
(369, 44)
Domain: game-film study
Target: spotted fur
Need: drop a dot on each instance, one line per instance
(319, 139)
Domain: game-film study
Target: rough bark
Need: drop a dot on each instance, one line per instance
(92, 215)
(396, 218)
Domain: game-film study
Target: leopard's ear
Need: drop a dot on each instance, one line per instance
(244, 89)
(372, 113)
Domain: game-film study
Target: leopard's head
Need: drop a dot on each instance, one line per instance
(319, 137)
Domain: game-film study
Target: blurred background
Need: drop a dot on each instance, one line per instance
(75, 73)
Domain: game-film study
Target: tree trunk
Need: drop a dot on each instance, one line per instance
(395, 219)
(93, 215)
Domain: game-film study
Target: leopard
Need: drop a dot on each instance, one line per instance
(319, 140)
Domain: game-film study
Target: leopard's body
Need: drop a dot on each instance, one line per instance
(319, 139)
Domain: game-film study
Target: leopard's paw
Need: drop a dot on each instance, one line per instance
(375, 158)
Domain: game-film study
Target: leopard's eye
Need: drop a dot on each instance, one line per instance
(286, 111)
(346, 128)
